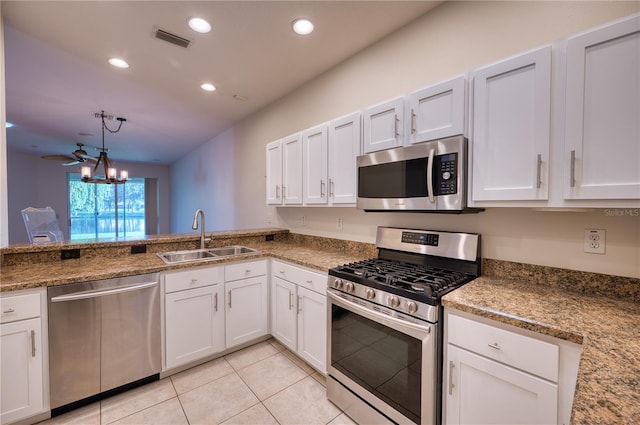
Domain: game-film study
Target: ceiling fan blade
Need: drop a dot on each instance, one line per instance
(71, 163)
(58, 157)
(88, 158)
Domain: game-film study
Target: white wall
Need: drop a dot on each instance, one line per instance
(4, 221)
(35, 182)
(452, 39)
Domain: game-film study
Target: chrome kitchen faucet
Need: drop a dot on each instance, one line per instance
(194, 226)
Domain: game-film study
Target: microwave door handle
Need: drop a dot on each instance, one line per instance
(430, 176)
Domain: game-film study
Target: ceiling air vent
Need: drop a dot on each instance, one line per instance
(172, 38)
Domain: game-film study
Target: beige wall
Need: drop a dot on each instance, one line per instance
(4, 222)
(450, 40)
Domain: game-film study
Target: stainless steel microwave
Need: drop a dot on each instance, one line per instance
(427, 177)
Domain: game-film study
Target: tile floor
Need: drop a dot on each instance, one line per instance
(261, 384)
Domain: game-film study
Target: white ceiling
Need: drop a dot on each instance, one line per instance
(57, 73)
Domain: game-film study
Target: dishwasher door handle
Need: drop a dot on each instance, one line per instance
(96, 294)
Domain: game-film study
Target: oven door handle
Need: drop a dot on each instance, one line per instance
(403, 325)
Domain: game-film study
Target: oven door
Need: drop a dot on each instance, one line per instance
(383, 359)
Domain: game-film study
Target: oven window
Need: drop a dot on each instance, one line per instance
(402, 179)
(384, 361)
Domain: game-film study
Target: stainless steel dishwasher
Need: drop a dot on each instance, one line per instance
(104, 337)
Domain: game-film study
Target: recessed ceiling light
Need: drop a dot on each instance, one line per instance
(207, 87)
(302, 26)
(118, 63)
(199, 25)
(8, 124)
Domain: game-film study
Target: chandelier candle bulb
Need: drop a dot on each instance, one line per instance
(86, 172)
(124, 175)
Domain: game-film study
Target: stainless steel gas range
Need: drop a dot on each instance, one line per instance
(384, 335)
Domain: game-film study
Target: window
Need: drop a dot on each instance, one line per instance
(106, 210)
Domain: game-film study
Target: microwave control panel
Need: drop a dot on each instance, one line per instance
(445, 168)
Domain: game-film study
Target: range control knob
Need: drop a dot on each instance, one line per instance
(412, 307)
(349, 287)
(337, 283)
(370, 293)
(393, 301)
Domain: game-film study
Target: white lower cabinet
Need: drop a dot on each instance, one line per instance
(194, 315)
(493, 374)
(247, 302)
(298, 312)
(22, 357)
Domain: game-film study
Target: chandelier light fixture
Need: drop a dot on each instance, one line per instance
(110, 174)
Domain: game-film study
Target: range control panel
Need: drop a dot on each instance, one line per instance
(430, 239)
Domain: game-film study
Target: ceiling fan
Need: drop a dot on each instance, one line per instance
(78, 156)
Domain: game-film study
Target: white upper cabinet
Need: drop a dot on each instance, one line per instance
(602, 133)
(344, 147)
(274, 173)
(314, 165)
(292, 169)
(437, 111)
(511, 128)
(383, 125)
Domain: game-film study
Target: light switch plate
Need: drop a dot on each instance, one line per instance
(594, 241)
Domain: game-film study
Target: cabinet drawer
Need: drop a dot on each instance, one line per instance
(528, 354)
(245, 270)
(192, 278)
(19, 307)
(316, 282)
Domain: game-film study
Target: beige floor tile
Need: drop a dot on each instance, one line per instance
(299, 362)
(87, 415)
(217, 401)
(166, 413)
(342, 419)
(271, 375)
(200, 375)
(276, 344)
(250, 355)
(304, 402)
(257, 414)
(125, 404)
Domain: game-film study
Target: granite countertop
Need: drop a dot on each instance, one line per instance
(608, 385)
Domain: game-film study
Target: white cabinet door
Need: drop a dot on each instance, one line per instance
(344, 147)
(292, 170)
(314, 165)
(437, 111)
(312, 328)
(194, 324)
(602, 134)
(283, 312)
(383, 125)
(246, 310)
(482, 391)
(511, 128)
(274, 173)
(21, 370)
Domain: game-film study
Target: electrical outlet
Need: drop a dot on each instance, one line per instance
(303, 220)
(340, 223)
(594, 241)
(269, 218)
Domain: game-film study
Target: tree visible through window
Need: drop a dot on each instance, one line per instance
(106, 210)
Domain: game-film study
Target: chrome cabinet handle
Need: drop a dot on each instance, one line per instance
(290, 300)
(396, 122)
(215, 302)
(538, 169)
(572, 181)
(322, 188)
(284, 194)
(430, 176)
(331, 194)
(413, 122)
(33, 343)
(277, 191)
(299, 305)
(495, 346)
(229, 299)
(8, 311)
(451, 384)
(247, 271)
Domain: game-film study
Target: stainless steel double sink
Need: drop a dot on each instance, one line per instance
(173, 257)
